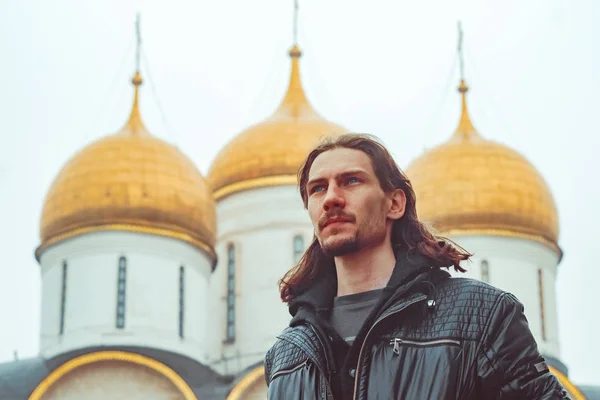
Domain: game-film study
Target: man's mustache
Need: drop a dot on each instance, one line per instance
(335, 214)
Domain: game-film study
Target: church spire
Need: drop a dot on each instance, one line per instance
(295, 103)
(134, 125)
(296, 22)
(465, 129)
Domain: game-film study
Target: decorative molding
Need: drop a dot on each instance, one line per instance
(189, 239)
(569, 386)
(273, 180)
(239, 391)
(133, 358)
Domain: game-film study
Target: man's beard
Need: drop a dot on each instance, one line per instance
(367, 234)
(346, 246)
(354, 243)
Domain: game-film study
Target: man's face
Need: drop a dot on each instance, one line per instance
(346, 204)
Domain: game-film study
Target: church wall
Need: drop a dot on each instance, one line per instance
(261, 223)
(51, 302)
(151, 293)
(513, 265)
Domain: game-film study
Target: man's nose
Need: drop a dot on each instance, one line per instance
(334, 198)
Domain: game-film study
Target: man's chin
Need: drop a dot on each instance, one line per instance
(340, 247)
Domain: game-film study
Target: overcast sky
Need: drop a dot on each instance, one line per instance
(212, 68)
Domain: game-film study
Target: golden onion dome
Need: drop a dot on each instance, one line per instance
(471, 185)
(270, 153)
(130, 181)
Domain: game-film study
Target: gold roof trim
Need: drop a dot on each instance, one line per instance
(266, 181)
(189, 238)
(160, 368)
(504, 233)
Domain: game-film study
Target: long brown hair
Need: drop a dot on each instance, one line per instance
(408, 232)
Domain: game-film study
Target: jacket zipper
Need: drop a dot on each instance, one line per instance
(418, 299)
(289, 371)
(396, 342)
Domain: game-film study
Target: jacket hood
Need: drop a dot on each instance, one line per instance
(318, 298)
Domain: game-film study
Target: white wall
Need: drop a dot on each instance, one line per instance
(513, 267)
(152, 293)
(261, 223)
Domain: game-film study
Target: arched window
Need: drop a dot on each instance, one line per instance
(121, 292)
(485, 271)
(541, 292)
(298, 247)
(181, 299)
(230, 329)
(63, 297)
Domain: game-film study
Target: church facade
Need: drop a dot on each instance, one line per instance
(160, 283)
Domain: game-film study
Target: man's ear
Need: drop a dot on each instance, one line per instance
(398, 206)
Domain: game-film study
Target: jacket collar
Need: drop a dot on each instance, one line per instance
(318, 298)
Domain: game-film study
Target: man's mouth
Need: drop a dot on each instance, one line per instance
(332, 221)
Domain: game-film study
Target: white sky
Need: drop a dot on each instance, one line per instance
(386, 68)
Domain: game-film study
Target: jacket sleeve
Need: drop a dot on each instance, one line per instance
(510, 364)
(268, 363)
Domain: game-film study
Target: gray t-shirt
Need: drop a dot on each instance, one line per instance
(349, 312)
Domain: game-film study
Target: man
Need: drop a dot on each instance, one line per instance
(375, 316)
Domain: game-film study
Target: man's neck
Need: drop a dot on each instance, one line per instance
(368, 269)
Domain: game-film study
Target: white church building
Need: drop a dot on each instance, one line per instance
(160, 283)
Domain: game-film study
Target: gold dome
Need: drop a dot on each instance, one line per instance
(130, 181)
(270, 153)
(471, 185)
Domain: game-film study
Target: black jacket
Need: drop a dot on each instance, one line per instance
(430, 336)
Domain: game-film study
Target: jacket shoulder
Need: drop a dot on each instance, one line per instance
(467, 288)
(284, 354)
(464, 308)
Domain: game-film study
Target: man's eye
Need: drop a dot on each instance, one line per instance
(352, 179)
(316, 188)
